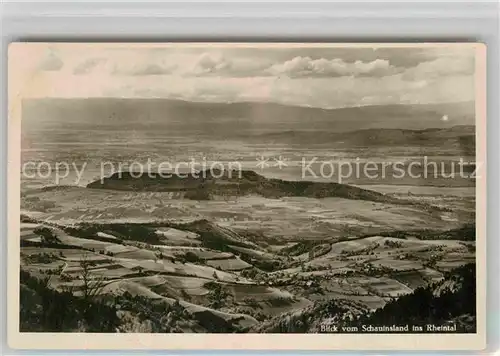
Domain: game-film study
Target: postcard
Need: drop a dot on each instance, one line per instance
(247, 196)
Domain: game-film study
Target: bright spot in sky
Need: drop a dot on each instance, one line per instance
(444, 118)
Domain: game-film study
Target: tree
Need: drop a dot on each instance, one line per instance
(192, 257)
(92, 285)
(159, 255)
(47, 235)
(217, 295)
(44, 309)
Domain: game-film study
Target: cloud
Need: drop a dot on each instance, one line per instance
(308, 67)
(208, 63)
(217, 64)
(87, 65)
(144, 69)
(322, 78)
(444, 66)
(234, 64)
(153, 69)
(51, 62)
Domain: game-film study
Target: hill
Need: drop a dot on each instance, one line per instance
(206, 184)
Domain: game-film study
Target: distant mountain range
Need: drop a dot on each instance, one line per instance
(223, 119)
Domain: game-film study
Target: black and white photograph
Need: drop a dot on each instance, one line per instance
(247, 188)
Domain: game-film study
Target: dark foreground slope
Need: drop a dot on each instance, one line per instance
(206, 184)
(449, 303)
(44, 309)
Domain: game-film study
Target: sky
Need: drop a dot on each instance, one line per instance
(316, 76)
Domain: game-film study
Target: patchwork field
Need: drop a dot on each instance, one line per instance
(254, 256)
(290, 218)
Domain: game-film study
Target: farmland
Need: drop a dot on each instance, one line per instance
(243, 261)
